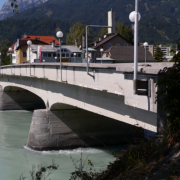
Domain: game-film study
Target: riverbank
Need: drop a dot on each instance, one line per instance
(156, 159)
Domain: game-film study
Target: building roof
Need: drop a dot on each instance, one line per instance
(126, 53)
(72, 48)
(12, 49)
(90, 50)
(105, 59)
(46, 39)
(100, 43)
(49, 48)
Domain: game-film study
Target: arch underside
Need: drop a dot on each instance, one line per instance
(16, 98)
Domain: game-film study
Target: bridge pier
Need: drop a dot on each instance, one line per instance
(73, 128)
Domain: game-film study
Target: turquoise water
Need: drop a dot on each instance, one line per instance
(16, 159)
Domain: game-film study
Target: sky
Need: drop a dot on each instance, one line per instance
(2, 3)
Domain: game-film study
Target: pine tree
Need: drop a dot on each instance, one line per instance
(158, 54)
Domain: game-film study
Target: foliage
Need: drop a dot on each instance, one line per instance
(134, 163)
(125, 31)
(103, 32)
(4, 46)
(76, 32)
(158, 24)
(14, 5)
(13, 29)
(7, 60)
(176, 57)
(169, 85)
(42, 173)
(158, 54)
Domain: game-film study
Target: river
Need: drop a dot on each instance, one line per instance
(16, 159)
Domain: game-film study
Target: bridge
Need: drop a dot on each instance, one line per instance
(80, 109)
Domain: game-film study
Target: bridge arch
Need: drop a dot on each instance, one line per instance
(18, 98)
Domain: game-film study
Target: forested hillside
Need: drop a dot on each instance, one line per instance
(159, 23)
(12, 29)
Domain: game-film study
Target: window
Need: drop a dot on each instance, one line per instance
(72, 55)
(44, 54)
(54, 54)
(49, 54)
(109, 45)
(125, 44)
(67, 55)
(24, 54)
(102, 46)
(117, 44)
(63, 55)
(65, 50)
(79, 55)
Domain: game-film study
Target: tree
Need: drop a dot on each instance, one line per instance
(125, 31)
(158, 54)
(3, 49)
(121, 29)
(76, 32)
(103, 32)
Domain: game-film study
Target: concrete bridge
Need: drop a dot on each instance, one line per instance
(82, 109)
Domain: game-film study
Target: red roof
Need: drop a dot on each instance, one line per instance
(46, 39)
(12, 49)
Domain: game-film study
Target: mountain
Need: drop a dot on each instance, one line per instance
(6, 10)
(159, 23)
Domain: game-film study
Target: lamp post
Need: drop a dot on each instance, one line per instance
(134, 18)
(59, 35)
(29, 42)
(74, 57)
(145, 45)
(101, 50)
(10, 49)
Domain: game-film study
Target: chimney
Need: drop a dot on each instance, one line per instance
(76, 41)
(83, 42)
(53, 43)
(111, 22)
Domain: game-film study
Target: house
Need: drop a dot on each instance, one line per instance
(20, 47)
(125, 54)
(50, 53)
(109, 41)
(165, 49)
(13, 54)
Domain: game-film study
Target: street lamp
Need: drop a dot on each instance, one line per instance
(29, 42)
(74, 57)
(10, 49)
(59, 35)
(145, 45)
(101, 50)
(134, 18)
